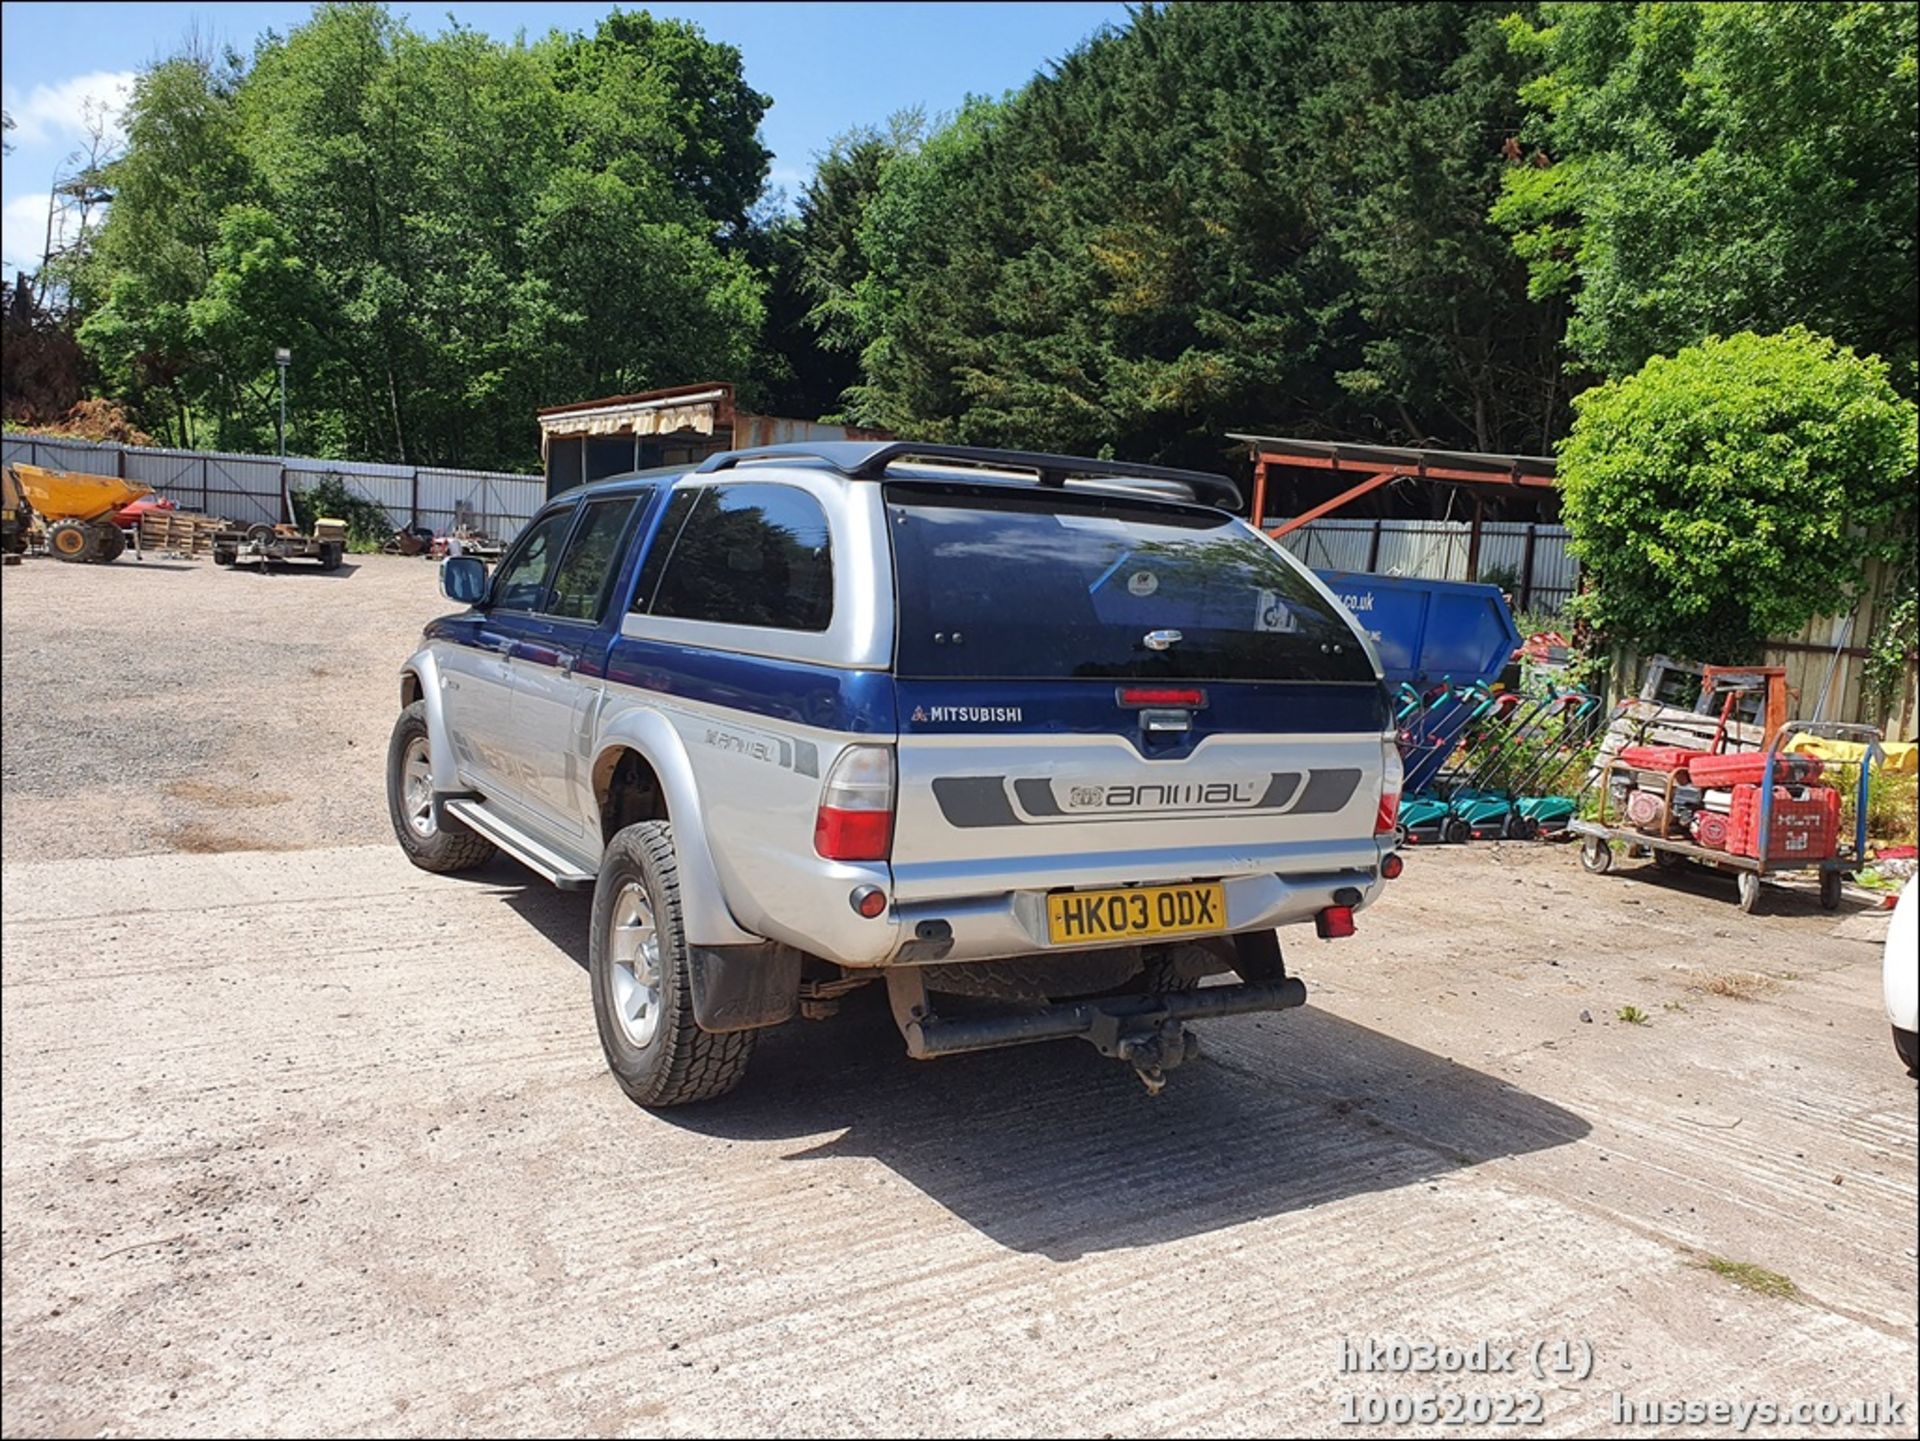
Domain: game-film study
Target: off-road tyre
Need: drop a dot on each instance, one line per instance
(680, 1063)
(109, 542)
(70, 540)
(442, 848)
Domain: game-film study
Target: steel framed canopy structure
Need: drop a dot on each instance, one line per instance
(1373, 466)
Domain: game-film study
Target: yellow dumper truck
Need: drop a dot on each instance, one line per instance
(76, 508)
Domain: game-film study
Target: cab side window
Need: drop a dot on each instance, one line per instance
(521, 581)
(585, 573)
(749, 554)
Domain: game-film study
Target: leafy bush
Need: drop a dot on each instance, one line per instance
(368, 525)
(1503, 577)
(1732, 491)
(1893, 807)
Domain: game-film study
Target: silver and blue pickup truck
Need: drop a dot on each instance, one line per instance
(1037, 742)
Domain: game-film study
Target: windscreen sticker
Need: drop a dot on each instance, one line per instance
(1143, 583)
(1274, 614)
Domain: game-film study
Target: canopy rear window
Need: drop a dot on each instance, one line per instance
(1061, 587)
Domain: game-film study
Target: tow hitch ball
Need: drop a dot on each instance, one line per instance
(1152, 1052)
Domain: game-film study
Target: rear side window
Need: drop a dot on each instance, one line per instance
(1022, 587)
(749, 555)
(665, 535)
(592, 559)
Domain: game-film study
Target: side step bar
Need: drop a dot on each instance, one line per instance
(543, 860)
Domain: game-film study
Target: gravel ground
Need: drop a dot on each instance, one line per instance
(178, 706)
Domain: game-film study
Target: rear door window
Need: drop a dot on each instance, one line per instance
(1059, 587)
(592, 559)
(750, 554)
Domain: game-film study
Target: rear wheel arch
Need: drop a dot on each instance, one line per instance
(626, 791)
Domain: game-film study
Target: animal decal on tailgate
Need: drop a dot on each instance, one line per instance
(974, 801)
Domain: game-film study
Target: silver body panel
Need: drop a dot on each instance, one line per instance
(1283, 820)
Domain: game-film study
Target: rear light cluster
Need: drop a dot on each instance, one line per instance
(855, 819)
(1392, 776)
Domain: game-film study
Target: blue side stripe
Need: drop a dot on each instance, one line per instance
(829, 697)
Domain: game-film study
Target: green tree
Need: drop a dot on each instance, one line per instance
(448, 231)
(1699, 168)
(1731, 492)
(648, 97)
(1222, 216)
(181, 169)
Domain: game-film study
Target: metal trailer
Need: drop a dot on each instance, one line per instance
(259, 544)
(1671, 853)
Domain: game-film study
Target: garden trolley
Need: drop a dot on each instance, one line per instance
(1672, 851)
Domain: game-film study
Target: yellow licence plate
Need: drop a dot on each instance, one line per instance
(1076, 917)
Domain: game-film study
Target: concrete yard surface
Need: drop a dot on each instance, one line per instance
(310, 1142)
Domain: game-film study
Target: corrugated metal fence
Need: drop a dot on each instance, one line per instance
(247, 488)
(1529, 560)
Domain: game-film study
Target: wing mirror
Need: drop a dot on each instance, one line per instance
(463, 578)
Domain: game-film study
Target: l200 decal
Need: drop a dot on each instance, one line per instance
(972, 802)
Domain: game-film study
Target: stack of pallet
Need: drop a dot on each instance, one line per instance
(178, 532)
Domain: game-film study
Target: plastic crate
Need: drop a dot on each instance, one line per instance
(1806, 823)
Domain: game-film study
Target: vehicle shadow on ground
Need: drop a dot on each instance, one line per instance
(1055, 1150)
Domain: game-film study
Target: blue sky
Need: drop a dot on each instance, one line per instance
(827, 66)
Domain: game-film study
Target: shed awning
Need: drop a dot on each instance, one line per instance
(1405, 460)
(636, 415)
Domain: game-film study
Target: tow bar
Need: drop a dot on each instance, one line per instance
(1147, 1032)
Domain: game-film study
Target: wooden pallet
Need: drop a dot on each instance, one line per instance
(179, 532)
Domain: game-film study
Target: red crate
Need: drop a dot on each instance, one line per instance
(1750, 768)
(1806, 823)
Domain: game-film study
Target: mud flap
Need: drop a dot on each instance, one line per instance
(1257, 958)
(742, 988)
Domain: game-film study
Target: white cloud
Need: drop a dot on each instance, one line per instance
(57, 113)
(23, 231)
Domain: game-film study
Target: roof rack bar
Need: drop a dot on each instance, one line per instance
(868, 460)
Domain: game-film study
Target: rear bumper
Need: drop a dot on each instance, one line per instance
(973, 922)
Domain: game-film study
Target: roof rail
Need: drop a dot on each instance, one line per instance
(869, 459)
